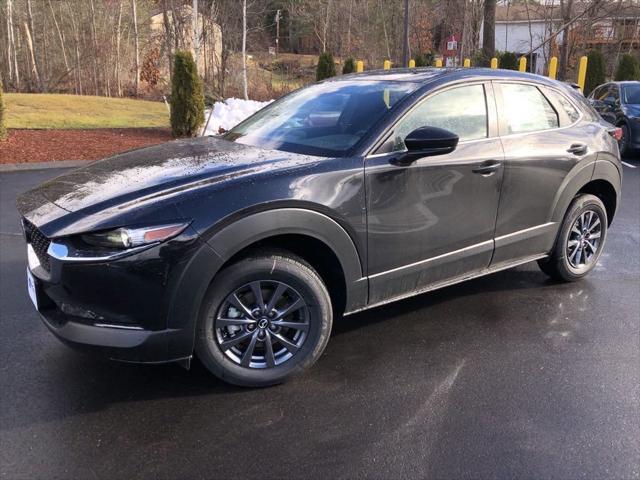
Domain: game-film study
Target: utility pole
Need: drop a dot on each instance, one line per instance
(405, 36)
(244, 50)
(196, 39)
(277, 30)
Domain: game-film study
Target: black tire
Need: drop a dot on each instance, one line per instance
(274, 270)
(564, 262)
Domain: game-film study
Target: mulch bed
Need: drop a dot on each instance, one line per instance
(25, 146)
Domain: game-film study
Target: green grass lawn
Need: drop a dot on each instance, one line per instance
(31, 110)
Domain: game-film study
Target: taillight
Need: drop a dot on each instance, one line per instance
(616, 133)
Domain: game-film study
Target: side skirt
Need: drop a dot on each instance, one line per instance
(454, 280)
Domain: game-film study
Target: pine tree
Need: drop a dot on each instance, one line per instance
(3, 129)
(349, 66)
(326, 66)
(187, 97)
(508, 61)
(595, 71)
(424, 60)
(628, 68)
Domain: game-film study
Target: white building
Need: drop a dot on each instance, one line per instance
(521, 29)
(524, 27)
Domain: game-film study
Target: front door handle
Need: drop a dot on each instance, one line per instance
(487, 168)
(577, 149)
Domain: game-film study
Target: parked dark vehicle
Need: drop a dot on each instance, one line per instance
(619, 104)
(342, 196)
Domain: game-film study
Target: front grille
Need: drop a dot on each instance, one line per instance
(38, 241)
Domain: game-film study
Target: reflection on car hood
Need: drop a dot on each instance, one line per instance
(144, 173)
(632, 110)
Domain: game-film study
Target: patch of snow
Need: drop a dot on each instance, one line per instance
(231, 112)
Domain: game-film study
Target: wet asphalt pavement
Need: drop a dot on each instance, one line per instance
(506, 376)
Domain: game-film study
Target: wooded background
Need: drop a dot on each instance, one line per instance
(124, 47)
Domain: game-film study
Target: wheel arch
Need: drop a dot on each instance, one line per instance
(281, 228)
(600, 178)
(306, 233)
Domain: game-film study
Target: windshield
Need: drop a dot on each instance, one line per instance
(631, 94)
(324, 119)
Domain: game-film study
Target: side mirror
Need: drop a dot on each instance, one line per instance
(610, 101)
(427, 142)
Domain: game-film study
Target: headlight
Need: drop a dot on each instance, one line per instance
(123, 238)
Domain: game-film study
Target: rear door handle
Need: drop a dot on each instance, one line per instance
(577, 149)
(487, 168)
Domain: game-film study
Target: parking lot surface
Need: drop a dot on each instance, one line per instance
(510, 375)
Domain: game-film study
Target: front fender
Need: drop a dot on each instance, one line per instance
(258, 226)
(231, 239)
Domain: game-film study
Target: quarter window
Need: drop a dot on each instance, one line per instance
(461, 110)
(602, 92)
(525, 109)
(566, 105)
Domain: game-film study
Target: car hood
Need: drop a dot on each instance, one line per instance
(147, 173)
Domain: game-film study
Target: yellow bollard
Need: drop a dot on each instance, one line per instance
(412, 63)
(386, 65)
(359, 66)
(438, 62)
(523, 64)
(582, 73)
(467, 62)
(494, 63)
(553, 67)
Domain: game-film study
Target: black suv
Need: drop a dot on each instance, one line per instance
(342, 196)
(619, 104)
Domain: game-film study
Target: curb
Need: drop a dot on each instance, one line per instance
(16, 167)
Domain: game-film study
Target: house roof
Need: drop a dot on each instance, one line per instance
(523, 12)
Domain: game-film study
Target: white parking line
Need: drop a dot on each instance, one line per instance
(629, 165)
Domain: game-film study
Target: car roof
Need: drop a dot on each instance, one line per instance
(624, 82)
(426, 75)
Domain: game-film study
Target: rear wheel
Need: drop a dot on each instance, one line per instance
(580, 241)
(265, 319)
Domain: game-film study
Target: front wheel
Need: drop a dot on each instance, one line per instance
(580, 241)
(265, 319)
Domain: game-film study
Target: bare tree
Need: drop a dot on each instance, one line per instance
(29, 33)
(134, 14)
(9, 45)
(196, 37)
(489, 30)
(60, 36)
(32, 56)
(12, 43)
(117, 64)
(566, 7)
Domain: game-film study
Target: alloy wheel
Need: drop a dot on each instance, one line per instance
(584, 240)
(262, 324)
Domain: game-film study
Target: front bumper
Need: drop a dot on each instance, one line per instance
(139, 308)
(113, 342)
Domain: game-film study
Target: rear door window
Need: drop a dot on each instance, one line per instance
(525, 109)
